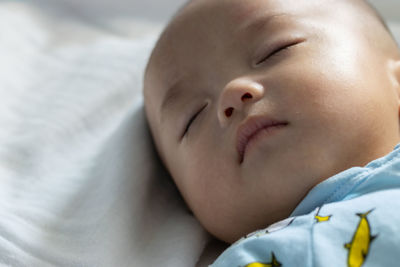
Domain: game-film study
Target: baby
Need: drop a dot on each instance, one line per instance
(259, 109)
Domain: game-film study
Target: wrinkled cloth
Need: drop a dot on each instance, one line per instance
(80, 182)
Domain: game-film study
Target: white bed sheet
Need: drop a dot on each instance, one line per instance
(80, 182)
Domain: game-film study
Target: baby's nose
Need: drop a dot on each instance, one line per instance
(235, 95)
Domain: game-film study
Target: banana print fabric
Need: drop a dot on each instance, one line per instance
(351, 219)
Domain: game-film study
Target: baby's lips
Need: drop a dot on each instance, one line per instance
(249, 128)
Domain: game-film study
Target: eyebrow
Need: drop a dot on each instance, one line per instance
(259, 22)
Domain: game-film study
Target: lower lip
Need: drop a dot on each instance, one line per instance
(267, 132)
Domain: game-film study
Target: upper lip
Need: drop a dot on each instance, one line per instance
(249, 128)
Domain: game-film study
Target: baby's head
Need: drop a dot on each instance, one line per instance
(327, 72)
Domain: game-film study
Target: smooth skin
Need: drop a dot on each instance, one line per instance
(334, 76)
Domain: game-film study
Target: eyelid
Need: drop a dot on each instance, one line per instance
(189, 123)
(268, 51)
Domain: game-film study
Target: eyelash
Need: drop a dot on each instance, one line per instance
(192, 120)
(277, 51)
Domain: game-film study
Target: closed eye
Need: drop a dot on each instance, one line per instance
(192, 119)
(277, 51)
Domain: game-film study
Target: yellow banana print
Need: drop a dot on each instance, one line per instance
(359, 245)
(322, 218)
(274, 263)
(319, 218)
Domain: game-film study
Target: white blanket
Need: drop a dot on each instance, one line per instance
(80, 182)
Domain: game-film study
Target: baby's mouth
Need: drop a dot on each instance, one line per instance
(254, 128)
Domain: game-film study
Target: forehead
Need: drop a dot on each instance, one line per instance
(222, 19)
(210, 18)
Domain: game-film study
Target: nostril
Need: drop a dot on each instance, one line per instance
(228, 112)
(246, 96)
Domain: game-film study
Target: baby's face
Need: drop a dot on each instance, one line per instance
(232, 63)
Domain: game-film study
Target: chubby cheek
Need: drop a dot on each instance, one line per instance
(323, 82)
(208, 183)
(336, 102)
